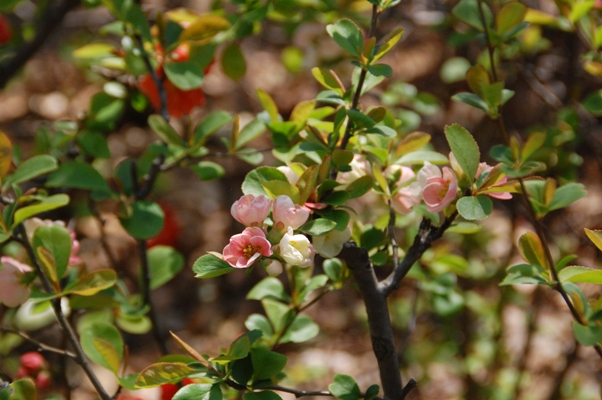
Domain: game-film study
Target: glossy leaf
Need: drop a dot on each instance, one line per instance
(23, 389)
(185, 75)
(164, 263)
(465, 149)
(196, 391)
(253, 183)
(204, 27)
(233, 62)
(347, 35)
(266, 363)
(587, 335)
(103, 344)
(566, 195)
(209, 266)
(146, 220)
(595, 236)
(93, 282)
(163, 372)
(78, 175)
(319, 226)
(56, 240)
(211, 124)
(468, 12)
(345, 387)
(268, 287)
(165, 131)
(302, 329)
(580, 274)
(46, 204)
(510, 16)
(31, 168)
(532, 250)
(263, 395)
(388, 43)
(208, 170)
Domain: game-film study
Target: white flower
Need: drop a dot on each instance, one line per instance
(296, 249)
(331, 244)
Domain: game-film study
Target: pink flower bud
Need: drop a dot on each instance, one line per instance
(288, 214)
(43, 380)
(246, 248)
(250, 210)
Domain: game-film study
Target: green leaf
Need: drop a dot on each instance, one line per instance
(263, 395)
(580, 274)
(327, 79)
(581, 9)
(532, 250)
(57, 241)
(92, 283)
(478, 80)
(103, 344)
(372, 392)
(164, 372)
(278, 313)
(31, 168)
(23, 389)
(164, 264)
(208, 170)
(94, 144)
(78, 175)
(345, 388)
(134, 324)
(347, 35)
(146, 220)
(419, 157)
(209, 266)
(94, 51)
(454, 70)
(510, 16)
(253, 183)
(587, 335)
(186, 75)
(360, 186)
(388, 43)
(319, 226)
(251, 131)
(566, 195)
(472, 100)
(475, 207)
(279, 188)
(302, 329)
(593, 103)
(211, 124)
(165, 131)
(467, 11)
(268, 287)
(268, 104)
(46, 204)
(465, 149)
(260, 322)
(196, 391)
(233, 62)
(266, 363)
(380, 70)
(595, 236)
(204, 27)
(239, 349)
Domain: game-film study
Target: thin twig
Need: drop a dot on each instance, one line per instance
(46, 24)
(158, 82)
(40, 345)
(531, 212)
(360, 82)
(80, 358)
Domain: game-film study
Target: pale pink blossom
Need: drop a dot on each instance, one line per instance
(291, 176)
(407, 196)
(426, 172)
(74, 257)
(440, 190)
(32, 224)
(250, 210)
(246, 248)
(331, 244)
(274, 268)
(288, 214)
(296, 249)
(360, 166)
(13, 291)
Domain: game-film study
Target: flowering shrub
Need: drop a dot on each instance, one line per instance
(358, 201)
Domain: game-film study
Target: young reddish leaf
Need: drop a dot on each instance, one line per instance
(531, 249)
(595, 236)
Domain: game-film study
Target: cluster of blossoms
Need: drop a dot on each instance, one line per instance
(280, 243)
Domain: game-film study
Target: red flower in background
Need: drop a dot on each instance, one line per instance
(179, 102)
(171, 229)
(169, 390)
(6, 33)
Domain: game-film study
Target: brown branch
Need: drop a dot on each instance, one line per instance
(379, 321)
(47, 23)
(40, 345)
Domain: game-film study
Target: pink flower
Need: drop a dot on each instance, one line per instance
(360, 166)
(250, 210)
(73, 257)
(407, 196)
(13, 291)
(440, 189)
(246, 248)
(288, 214)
